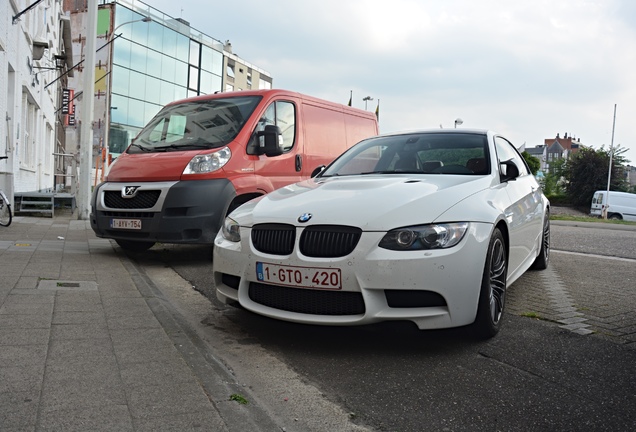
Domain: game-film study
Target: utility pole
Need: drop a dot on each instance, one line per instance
(88, 104)
(609, 171)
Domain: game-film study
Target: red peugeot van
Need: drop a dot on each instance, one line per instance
(200, 158)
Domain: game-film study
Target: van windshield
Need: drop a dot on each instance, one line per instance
(195, 125)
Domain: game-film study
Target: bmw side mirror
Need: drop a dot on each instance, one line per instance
(317, 170)
(508, 171)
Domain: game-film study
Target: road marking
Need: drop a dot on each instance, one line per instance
(587, 255)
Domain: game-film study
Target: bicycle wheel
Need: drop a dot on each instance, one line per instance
(5, 213)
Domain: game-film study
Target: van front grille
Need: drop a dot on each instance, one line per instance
(142, 200)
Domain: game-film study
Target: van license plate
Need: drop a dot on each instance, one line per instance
(302, 277)
(132, 224)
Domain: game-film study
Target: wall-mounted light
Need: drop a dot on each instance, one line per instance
(38, 48)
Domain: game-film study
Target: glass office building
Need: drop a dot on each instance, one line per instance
(145, 59)
(154, 60)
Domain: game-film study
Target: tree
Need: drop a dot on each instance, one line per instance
(553, 182)
(586, 172)
(533, 162)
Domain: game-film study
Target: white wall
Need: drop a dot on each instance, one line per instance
(30, 163)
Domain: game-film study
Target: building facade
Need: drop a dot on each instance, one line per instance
(240, 75)
(144, 60)
(35, 59)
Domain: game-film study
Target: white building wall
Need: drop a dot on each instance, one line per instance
(28, 140)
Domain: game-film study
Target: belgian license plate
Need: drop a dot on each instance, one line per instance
(303, 277)
(132, 224)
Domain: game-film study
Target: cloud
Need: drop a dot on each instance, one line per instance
(528, 68)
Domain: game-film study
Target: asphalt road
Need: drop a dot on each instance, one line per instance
(537, 374)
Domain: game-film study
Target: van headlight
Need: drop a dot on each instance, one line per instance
(231, 230)
(431, 236)
(202, 164)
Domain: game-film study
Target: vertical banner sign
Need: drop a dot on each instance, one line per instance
(71, 108)
(66, 97)
(68, 106)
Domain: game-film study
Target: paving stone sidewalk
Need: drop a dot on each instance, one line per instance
(80, 347)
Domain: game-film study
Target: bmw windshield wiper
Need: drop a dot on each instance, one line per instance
(381, 172)
(396, 172)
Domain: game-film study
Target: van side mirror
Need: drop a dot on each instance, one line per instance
(318, 170)
(270, 141)
(508, 171)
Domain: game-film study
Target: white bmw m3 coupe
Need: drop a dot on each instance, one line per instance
(425, 226)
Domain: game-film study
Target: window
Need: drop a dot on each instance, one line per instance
(193, 80)
(29, 117)
(283, 115)
(265, 85)
(507, 152)
(211, 60)
(195, 48)
(48, 149)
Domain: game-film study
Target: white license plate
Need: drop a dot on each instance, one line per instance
(133, 224)
(303, 277)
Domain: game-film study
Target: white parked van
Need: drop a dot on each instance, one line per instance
(621, 205)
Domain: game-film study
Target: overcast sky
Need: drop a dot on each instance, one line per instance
(528, 69)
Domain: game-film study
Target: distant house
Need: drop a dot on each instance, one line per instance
(555, 149)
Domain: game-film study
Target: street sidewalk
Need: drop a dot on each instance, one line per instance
(87, 343)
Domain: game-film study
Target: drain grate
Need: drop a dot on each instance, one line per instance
(67, 285)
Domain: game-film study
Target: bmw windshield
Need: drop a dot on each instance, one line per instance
(204, 124)
(415, 153)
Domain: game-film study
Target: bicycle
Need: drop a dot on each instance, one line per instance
(5, 207)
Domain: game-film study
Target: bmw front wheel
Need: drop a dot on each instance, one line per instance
(492, 297)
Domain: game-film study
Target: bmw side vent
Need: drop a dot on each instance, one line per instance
(275, 239)
(329, 241)
(142, 200)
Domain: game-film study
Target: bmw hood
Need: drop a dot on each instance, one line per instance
(371, 203)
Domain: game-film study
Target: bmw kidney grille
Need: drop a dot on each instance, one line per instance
(318, 241)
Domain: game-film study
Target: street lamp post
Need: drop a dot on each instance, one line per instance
(458, 121)
(366, 99)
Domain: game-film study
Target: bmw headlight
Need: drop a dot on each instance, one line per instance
(432, 236)
(202, 164)
(231, 230)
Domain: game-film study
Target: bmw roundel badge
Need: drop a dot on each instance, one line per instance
(304, 217)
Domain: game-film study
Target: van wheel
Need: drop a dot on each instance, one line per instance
(615, 216)
(492, 296)
(135, 246)
(542, 260)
